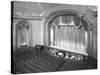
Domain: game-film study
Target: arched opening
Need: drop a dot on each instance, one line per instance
(23, 34)
(68, 31)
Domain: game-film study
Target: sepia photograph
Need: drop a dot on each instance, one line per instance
(53, 37)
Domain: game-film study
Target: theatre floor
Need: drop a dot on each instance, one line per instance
(33, 60)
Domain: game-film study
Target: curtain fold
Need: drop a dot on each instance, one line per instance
(69, 36)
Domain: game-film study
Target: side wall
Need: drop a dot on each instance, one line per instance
(32, 9)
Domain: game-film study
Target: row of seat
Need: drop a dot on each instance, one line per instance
(35, 61)
(32, 60)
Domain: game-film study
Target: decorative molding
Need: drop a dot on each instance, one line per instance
(29, 17)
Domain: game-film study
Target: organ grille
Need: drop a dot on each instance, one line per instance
(23, 33)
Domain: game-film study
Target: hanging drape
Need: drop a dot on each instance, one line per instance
(65, 34)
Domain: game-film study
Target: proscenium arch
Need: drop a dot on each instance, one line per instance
(23, 24)
(53, 15)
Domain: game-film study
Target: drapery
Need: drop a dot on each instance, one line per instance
(65, 34)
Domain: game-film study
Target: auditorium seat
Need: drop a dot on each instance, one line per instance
(33, 60)
(36, 61)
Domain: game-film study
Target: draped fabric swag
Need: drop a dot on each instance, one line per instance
(64, 33)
